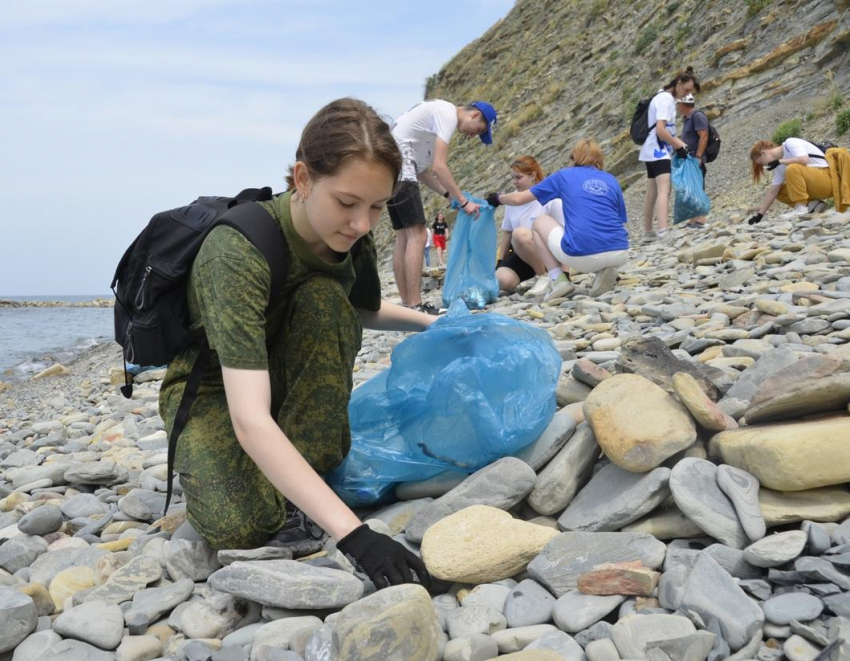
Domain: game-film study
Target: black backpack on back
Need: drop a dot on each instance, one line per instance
(640, 121)
(151, 307)
(712, 149)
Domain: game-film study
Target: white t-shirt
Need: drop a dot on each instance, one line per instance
(428, 237)
(525, 214)
(662, 106)
(794, 147)
(417, 130)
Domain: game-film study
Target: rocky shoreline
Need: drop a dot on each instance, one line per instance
(94, 303)
(688, 501)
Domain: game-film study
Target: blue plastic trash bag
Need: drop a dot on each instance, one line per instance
(469, 390)
(471, 272)
(691, 200)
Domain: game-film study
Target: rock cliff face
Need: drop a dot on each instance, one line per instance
(561, 70)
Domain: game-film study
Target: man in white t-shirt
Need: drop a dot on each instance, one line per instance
(423, 134)
(801, 175)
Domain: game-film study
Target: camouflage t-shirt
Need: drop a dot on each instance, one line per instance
(230, 285)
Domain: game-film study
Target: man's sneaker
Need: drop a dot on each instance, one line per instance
(427, 308)
(649, 236)
(817, 206)
(559, 288)
(540, 285)
(796, 212)
(604, 281)
(300, 533)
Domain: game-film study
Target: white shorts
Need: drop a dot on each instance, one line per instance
(583, 263)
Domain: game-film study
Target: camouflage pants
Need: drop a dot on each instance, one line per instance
(228, 499)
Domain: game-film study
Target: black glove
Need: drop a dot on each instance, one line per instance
(382, 559)
(446, 195)
(772, 165)
(755, 220)
(682, 152)
(493, 199)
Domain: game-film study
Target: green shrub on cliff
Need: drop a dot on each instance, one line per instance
(790, 129)
(842, 122)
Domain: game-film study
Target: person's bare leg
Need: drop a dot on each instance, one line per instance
(662, 202)
(523, 243)
(416, 238)
(649, 204)
(541, 228)
(508, 280)
(398, 265)
(440, 257)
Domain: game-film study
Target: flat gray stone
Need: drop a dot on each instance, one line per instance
(148, 605)
(96, 472)
(18, 617)
(818, 537)
(20, 552)
(35, 645)
(433, 487)
(693, 483)
(96, 622)
(615, 498)
(841, 534)
(751, 378)
(127, 580)
(229, 556)
(463, 622)
(742, 489)
(822, 571)
(514, 640)
(76, 650)
(41, 521)
(799, 606)
(598, 631)
(528, 603)
(570, 554)
(560, 642)
(564, 475)
(777, 549)
(83, 505)
(288, 584)
(190, 559)
(217, 616)
(631, 634)
(693, 647)
(712, 593)
(489, 594)
(502, 484)
(839, 603)
(575, 611)
(550, 442)
(142, 504)
(49, 564)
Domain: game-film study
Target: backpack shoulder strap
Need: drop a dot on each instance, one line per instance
(258, 226)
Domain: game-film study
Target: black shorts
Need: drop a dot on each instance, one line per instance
(654, 168)
(514, 263)
(405, 206)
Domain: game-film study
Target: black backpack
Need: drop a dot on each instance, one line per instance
(640, 122)
(823, 146)
(712, 149)
(151, 307)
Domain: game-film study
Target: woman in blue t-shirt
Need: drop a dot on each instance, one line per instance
(593, 237)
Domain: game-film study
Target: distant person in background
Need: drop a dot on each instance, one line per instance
(440, 236)
(428, 245)
(423, 134)
(593, 237)
(695, 136)
(518, 258)
(801, 177)
(658, 148)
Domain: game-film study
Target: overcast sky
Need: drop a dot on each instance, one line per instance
(111, 111)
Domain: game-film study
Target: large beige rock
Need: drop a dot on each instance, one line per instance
(481, 544)
(704, 411)
(394, 624)
(823, 505)
(790, 456)
(69, 581)
(636, 423)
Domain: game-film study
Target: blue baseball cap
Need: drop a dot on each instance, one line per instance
(489, 114)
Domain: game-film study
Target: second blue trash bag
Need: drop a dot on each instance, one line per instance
(471, 271)
(691, 200)
(469, 390)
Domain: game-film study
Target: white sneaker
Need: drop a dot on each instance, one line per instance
(796, 212)
(540, 286)
(559, 288)
(817, 206)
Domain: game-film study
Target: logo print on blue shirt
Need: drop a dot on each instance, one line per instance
(595, 187)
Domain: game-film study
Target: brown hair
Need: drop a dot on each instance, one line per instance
(587, 152)
(528, 165)
(343, 129)
(685, 76)
(755, 152)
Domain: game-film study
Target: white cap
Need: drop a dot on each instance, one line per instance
(687, 100)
